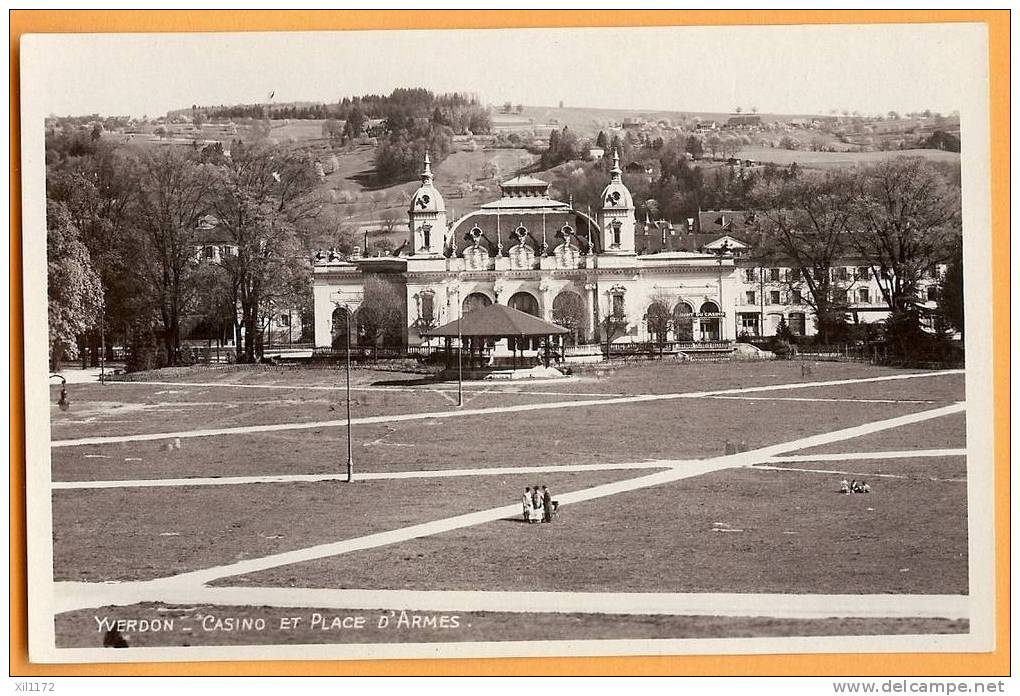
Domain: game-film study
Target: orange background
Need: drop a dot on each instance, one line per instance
(995, 663)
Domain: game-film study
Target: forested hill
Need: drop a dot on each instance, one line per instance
(462, 111)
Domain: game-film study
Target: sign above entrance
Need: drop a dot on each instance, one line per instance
(706, 315)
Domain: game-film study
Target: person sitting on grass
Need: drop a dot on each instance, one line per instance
(865, 488)
(844, 487)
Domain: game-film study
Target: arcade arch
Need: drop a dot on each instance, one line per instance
(569, 312)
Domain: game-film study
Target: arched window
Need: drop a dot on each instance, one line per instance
(476, 300)
(426, 235)
(616, 233)
(524, 302)
(682, 309)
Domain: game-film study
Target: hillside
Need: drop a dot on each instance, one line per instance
(469, 176)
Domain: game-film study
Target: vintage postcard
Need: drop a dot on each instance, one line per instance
(508, 342)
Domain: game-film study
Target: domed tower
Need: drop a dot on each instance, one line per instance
(616, 217)
(426, 217)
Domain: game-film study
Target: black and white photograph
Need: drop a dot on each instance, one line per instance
(508, 342)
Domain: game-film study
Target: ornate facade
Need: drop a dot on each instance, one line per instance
(537, 255)
(602, 275)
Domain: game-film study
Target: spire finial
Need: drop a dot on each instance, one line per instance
(616, 171)
(426, 174)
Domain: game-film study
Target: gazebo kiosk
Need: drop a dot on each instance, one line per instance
(498, 322)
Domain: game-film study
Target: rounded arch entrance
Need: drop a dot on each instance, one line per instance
(343, 328)
(683, 322)
(657, 321)
(709, 326)
(476, 300)
(524, 302)
(569, 312)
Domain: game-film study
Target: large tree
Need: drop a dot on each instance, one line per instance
(355, 123)
(570, 313)
(804, 224)
(659, 320)
(950, 292)
(382, 311)
(96, 183)
(613, 322)
(259, 197)
(906, 221)
(174, 192)
(74, 289)
(334, 130)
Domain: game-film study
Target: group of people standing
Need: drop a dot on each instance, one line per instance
(538, 505)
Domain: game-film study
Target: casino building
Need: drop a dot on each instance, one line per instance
(601, 276)
(540, 256)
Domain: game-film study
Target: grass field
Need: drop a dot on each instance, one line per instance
(731, 531)
(153, 533)
(945, 432)
(651, 505)
(662, 429)
(941, 470)
(944, 389)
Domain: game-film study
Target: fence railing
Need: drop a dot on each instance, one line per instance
(371, 353)
(648, 348)
(878, 355)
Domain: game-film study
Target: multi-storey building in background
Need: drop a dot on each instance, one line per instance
(600, 273)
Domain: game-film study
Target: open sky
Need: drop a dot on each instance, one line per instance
(782, 69)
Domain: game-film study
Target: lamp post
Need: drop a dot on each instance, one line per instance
(102, 338)
(102, 347)
(460, 346)
(350, 438)
(722, 251)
